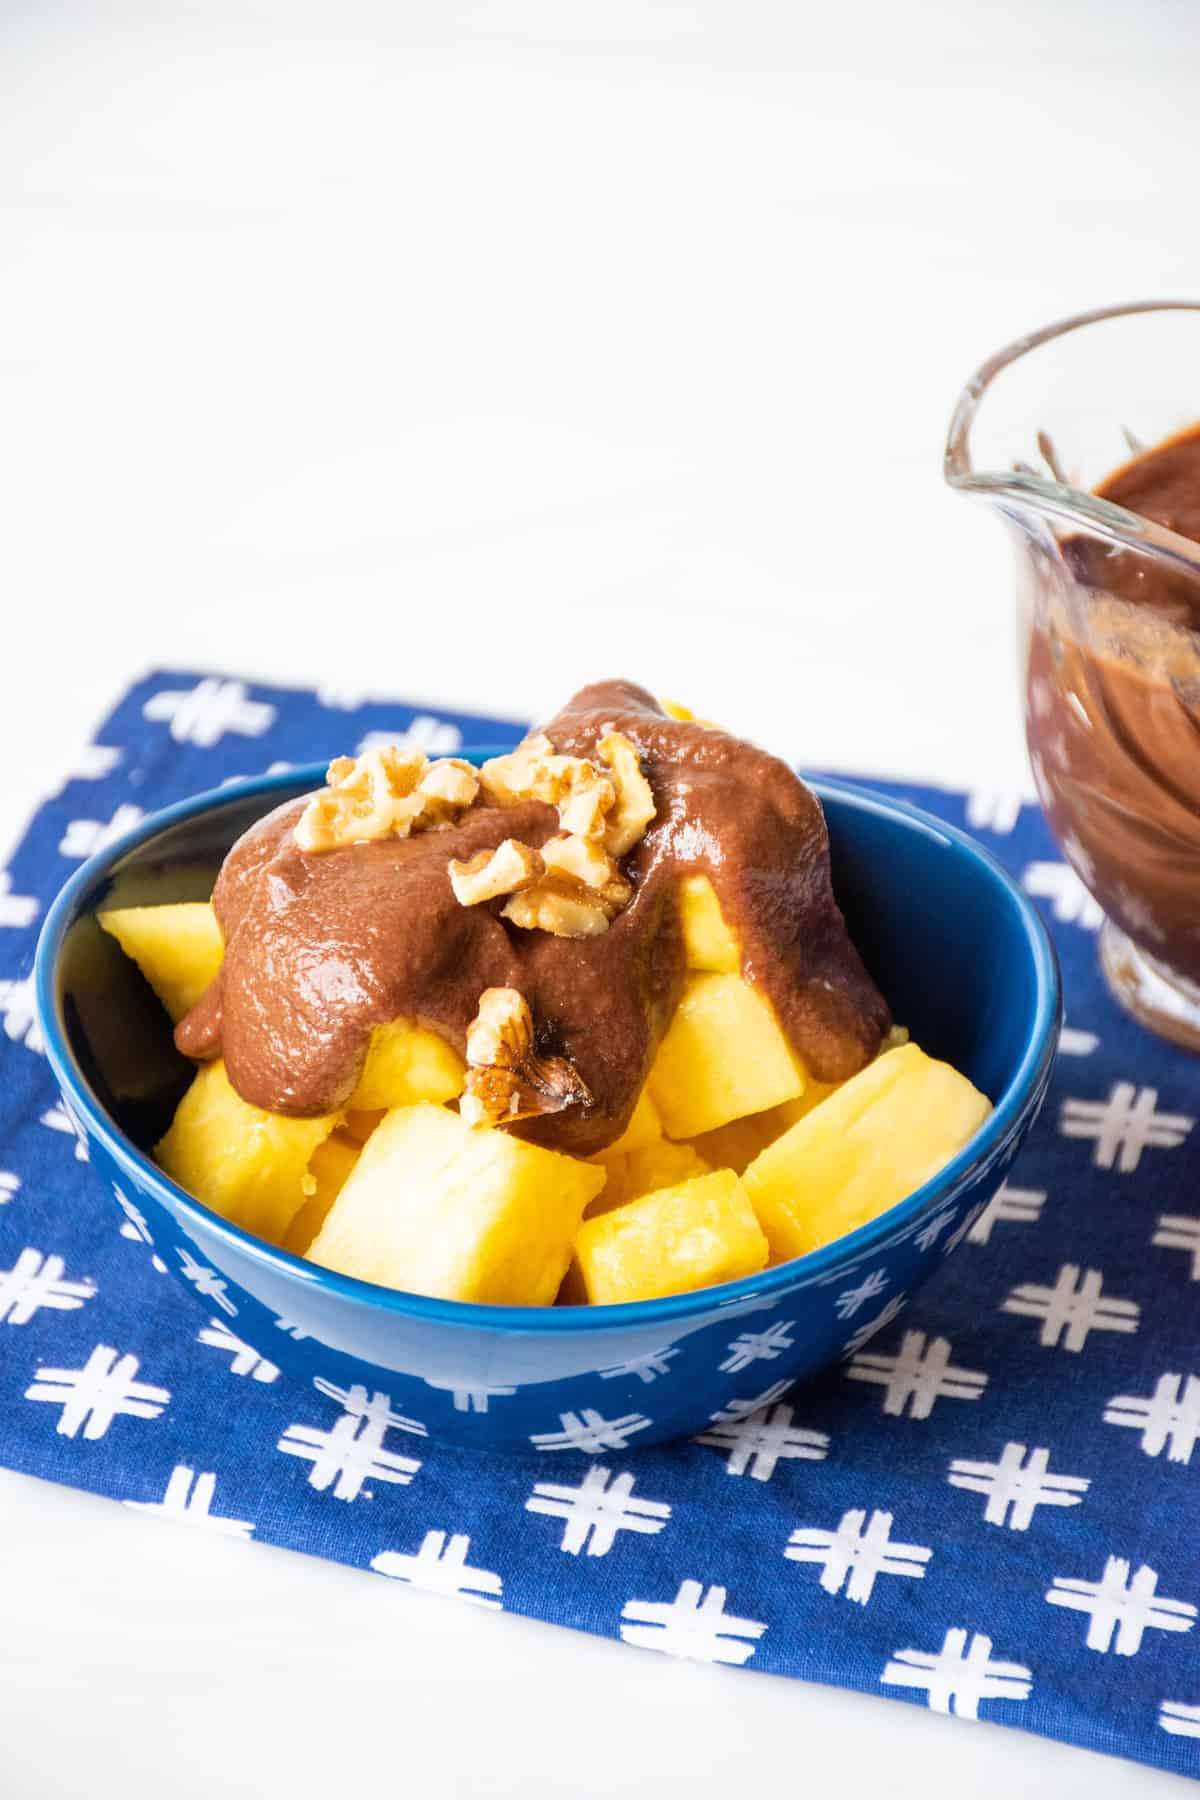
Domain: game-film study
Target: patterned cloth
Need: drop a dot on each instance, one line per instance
(989, 1511)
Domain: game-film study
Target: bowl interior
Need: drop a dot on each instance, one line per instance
(963, 961)
(958, 952)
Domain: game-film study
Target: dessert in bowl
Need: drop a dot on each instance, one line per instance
(599, 1021)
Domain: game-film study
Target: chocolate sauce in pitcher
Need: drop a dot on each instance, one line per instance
(1113, 711)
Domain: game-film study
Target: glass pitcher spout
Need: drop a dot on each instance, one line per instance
(1086, 439)
(1008, 444)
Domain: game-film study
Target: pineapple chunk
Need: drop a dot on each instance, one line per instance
(643, 1133)
(177, 948)
(708, 942)
(691, 1236)
(328, 1173)
(248, 1165)
(406, 1063)
(436, 1207)
(883, 1133)
(723, 1056)
(642, 1171)
(675, 709)
(644, 1127)
(734, 1146)
(360, 1125)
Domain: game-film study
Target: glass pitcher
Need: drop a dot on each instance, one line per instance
(1109, 602)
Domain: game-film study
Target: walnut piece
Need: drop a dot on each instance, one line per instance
(603, 815)
(506, 1079)
(367, 797)
(583, 861)
(501, 1034)
(508, 779)
(559, 905)
(579, 895)
(507, 869)
(449, 786)
(384, 793)
(635, 808)
(572, 888)
(583, 794)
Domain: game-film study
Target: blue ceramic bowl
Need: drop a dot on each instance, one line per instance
(960, 954)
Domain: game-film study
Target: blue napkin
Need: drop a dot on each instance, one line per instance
(990, 1510)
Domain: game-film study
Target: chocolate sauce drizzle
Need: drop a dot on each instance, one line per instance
(321, 948)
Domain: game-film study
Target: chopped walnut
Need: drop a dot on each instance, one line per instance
(560, 905)
(506, 1079)
(588, 863)
(507, 869)
(585, 799)
(384, 793)
(602, 816)
(579, 895)
(507, 779)
(368, 797)
(449, 787)
(635, 806)
(583, 794)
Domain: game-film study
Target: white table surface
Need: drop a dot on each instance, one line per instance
(465, 351)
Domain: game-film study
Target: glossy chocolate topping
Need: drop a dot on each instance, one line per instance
(320, 948)
(1113, 711)
(1162, 484)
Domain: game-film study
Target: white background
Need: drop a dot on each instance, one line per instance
(464, 351)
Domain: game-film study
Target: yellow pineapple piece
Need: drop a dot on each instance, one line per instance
(177, 948)
(708, 942)
(792, 1111)
(690, 1236)
(644, 1127)
(360, 1125)
(328, 1173)
(866, 1147)
(675, 709)
(662, 1165)
(734, 1146)
(643, 1132)
(248, 1165)
(405, 1063)
(659, 1165)
(435, 1206)
(724, 1055)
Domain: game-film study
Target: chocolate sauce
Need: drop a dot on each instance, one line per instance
(1113, 711)
(1162, 484)
(321, 948)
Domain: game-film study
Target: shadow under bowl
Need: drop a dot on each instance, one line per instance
(960, 954)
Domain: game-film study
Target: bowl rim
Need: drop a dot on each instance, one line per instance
(1008, 1111)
